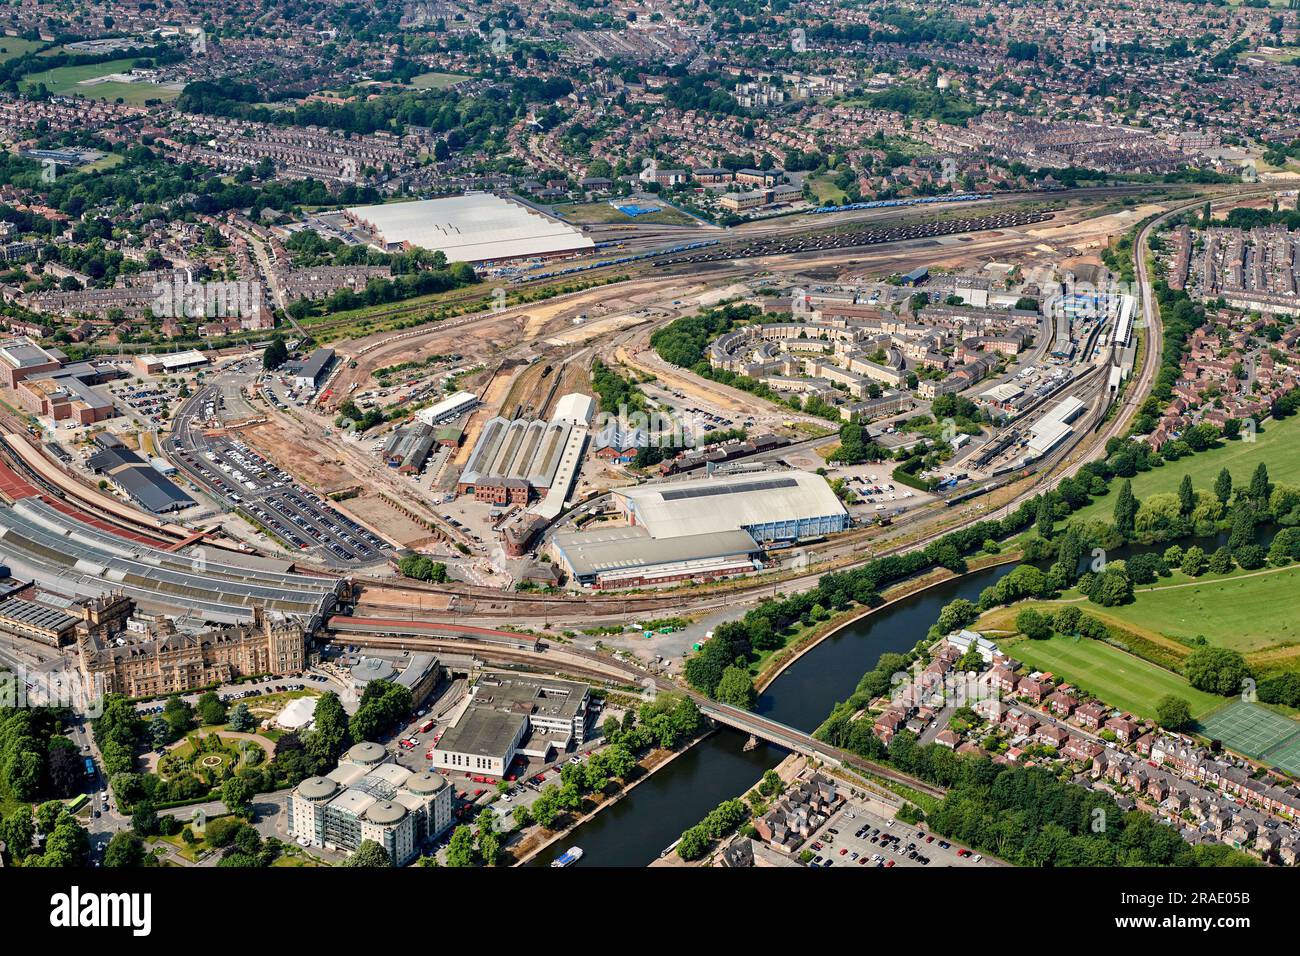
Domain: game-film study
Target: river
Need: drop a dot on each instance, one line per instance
(643, 824)
(636, 830)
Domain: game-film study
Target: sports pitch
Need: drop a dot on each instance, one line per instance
(1256, 732)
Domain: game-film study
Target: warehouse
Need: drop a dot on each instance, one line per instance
(474, 228)
(448, 409)
(629, 557)
(135, 477)
(36, 621)
(778, 506)
(169, 363)
(549, 713)
(1050, 430)
(314, 368)
(419, 673)
(21, 358)
(517, 454)
(576, 409)
(407, 449)
(482, 741)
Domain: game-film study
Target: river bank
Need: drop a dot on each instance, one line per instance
(824, 668)
(665, 757)
(788, 656)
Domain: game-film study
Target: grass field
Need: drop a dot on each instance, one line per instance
(593, 213)
(1119, 679)
(1247, 611)
(68, 81)
(108, 162)
(437, 81)
(826, 191)
(13, 47)
(1277, 444)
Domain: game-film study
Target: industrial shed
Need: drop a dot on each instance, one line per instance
(775, 506)
(626, 557)
(474, 228)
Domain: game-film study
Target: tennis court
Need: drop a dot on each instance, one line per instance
(1286, 756)
(1250, 729)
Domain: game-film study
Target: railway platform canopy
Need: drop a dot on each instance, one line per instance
(75, 559)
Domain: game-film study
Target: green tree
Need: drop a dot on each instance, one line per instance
(1220, 561)
(957, 614)
(144, 821)
(1223, 486)
(236, 794)
(330, 734)
(17, 831)
(211, 708)
(1113, 586)
(694, 843)
(160, 732)
(369, 854)
(1217, 670)
(1126, 508)
(275, 354)
(1186, 496)
(1066, 620)
(1243, 528)
(1193, 563)
(1046, 517)
(125, 849)
(460, 848)
(1260, 488)
(1173, 713)
(736, 688)
(178, 714)
(242, 719)
(1033, 624)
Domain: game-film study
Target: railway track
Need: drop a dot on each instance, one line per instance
(547, 657)
(853, 238)
(576, 662)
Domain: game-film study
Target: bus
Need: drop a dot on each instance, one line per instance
(77, 802)
(90, 767)
(427, 726)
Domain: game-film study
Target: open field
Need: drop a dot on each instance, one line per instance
(69, 81)
(1118, 678)
(1277, 444)
(13, 47)
(593, 213)
(826, 191)
(108, 162)
(437, 81)
(1247, 611)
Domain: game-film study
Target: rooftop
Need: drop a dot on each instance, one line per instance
(704, 505)
(484, 731)
(472, 228)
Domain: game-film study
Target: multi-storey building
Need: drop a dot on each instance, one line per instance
(370, 797)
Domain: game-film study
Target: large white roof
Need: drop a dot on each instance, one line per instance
(707, 505)
(575, 407)
(477, 227)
